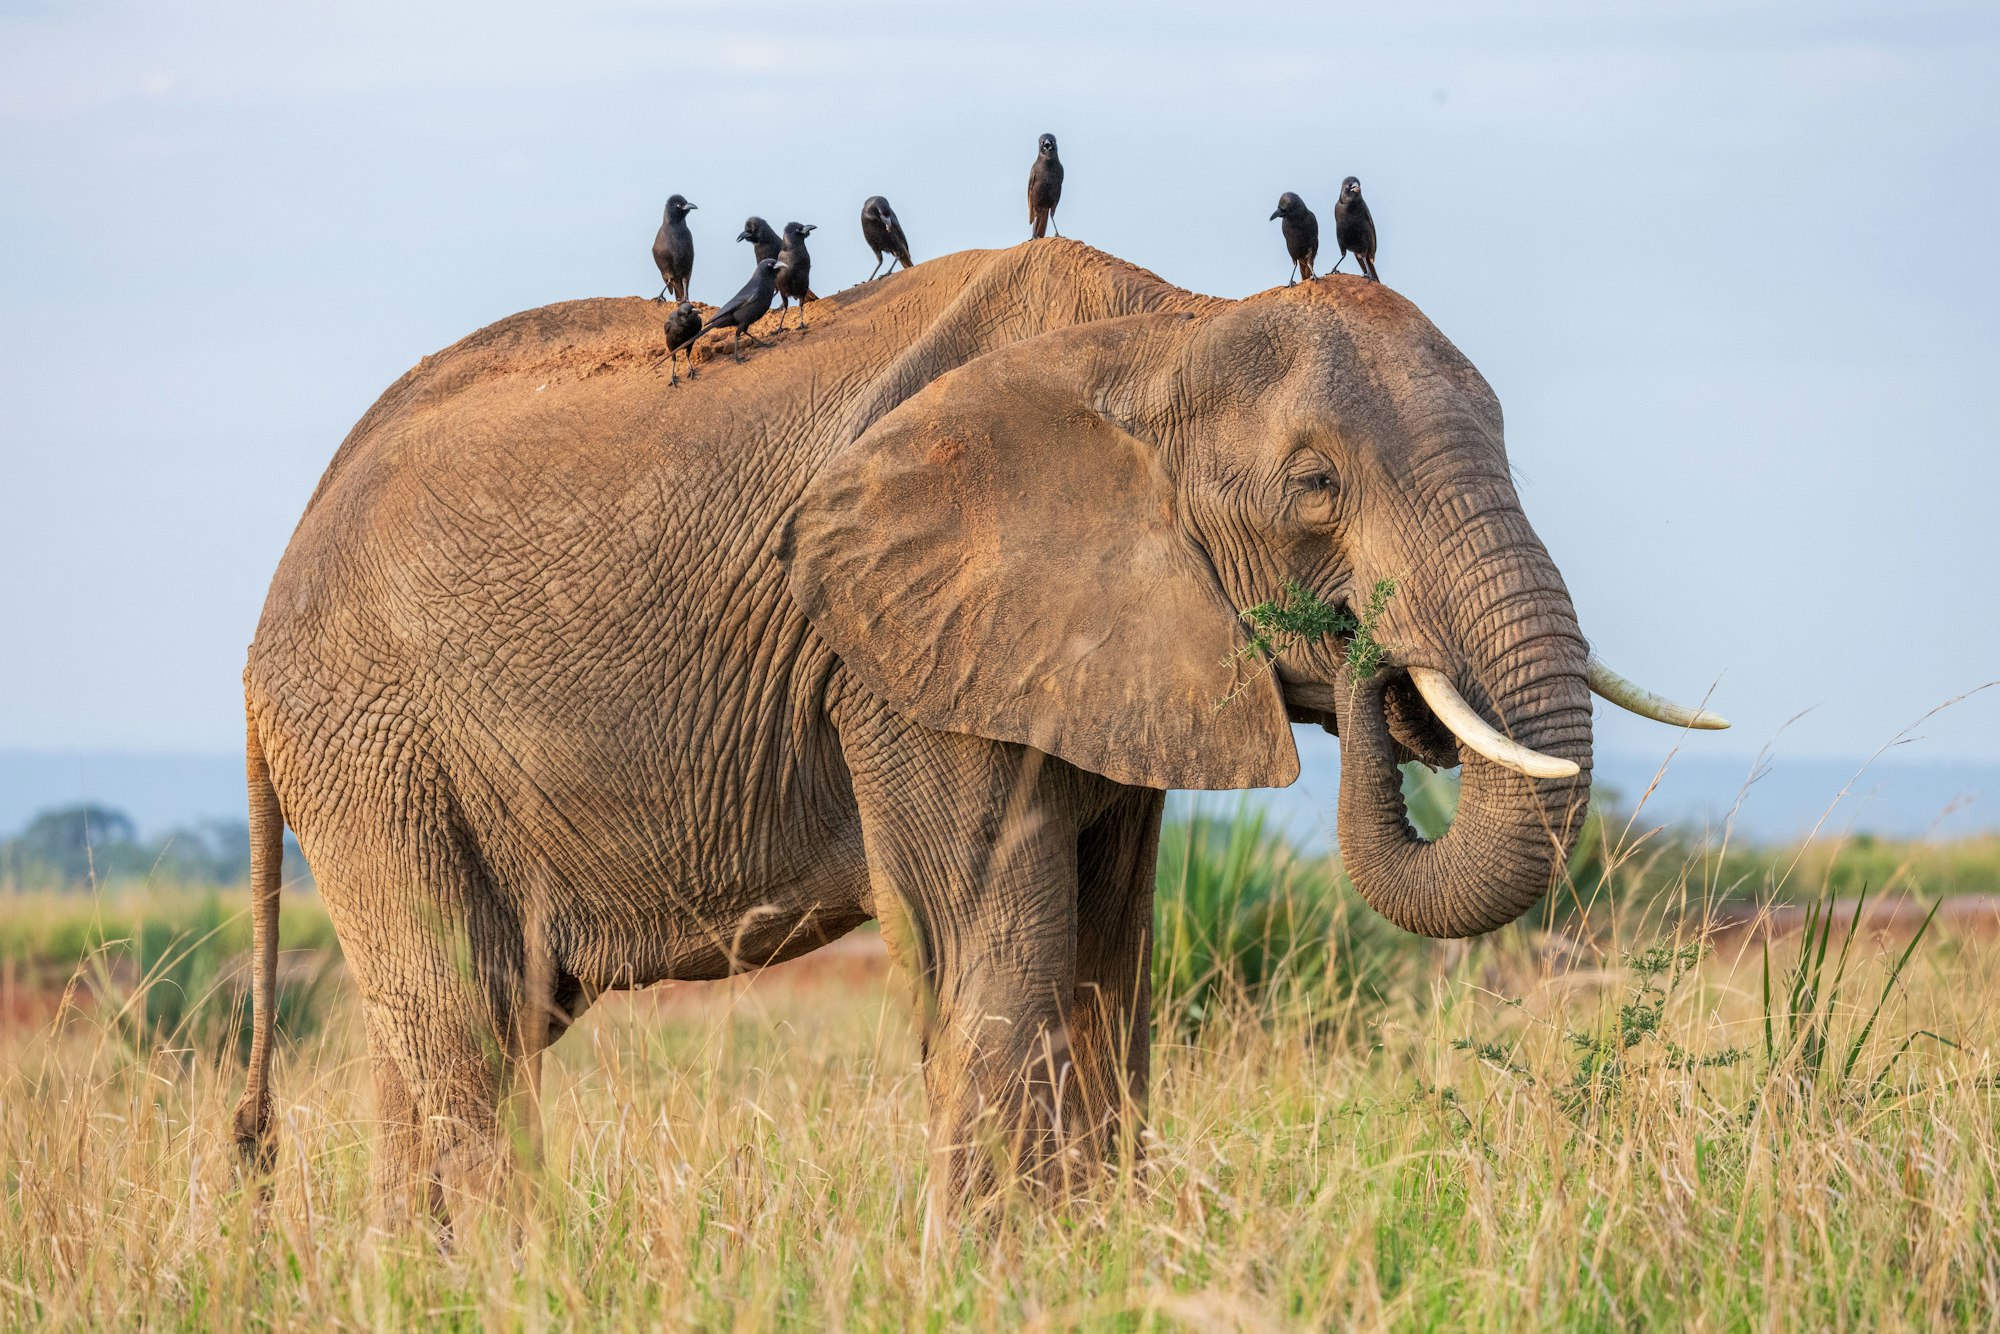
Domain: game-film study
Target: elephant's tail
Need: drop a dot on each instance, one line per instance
(267, 861)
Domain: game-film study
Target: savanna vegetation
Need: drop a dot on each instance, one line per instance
(86, 846)
(1634, 1110)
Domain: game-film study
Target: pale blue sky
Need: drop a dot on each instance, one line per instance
(1731, 267)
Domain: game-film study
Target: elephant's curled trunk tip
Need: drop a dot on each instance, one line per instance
(1509, 839)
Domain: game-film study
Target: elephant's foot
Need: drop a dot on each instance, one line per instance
(1001, 1136)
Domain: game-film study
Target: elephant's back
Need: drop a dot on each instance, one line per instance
(561, 343)
(548, 442)
(550, 449)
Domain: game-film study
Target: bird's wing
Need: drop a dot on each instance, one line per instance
(734, 304)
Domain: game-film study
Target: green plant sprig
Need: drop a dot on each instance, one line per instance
(1297, 617)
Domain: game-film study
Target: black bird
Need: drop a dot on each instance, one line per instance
(1045, 187)
(673, 249)
(884, 234)
(795, 272)
(758, 233)
(747, 306)
(1301, 231)
(1354, 228)
(683, 327)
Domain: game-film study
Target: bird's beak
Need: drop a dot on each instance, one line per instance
(742, 236)
(1274, 215)
(692, 207)
(811, 227)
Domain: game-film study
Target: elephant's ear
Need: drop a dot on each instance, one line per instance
(997, 556)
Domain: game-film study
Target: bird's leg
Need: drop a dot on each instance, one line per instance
(663, 293)
(736, 348)
(877, 269)
(1052, 225)
(1336, 263)
(673, 368)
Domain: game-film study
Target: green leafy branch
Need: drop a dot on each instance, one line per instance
(1297, 617)
(1364, 655)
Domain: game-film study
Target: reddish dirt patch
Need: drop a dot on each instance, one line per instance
(1961, 916)
(856, 962)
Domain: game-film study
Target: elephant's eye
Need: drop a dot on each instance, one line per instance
(1311, 481)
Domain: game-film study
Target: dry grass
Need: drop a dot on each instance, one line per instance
(753, 1158)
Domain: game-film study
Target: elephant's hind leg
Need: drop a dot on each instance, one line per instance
(441, 1071)
(404, 1190)
(438, 959)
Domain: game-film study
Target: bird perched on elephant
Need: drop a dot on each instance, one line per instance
(750, 304)
(1301, 231)
(1045, 183)
(883, 232)
(673, 249)
(764, 241)
(682, 328)
(1354, 228)
(569, 681)
(795, 271)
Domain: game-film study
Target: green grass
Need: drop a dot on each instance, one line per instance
(1243, 922)
(53, 929)
(170, 966)
(1608, 1130)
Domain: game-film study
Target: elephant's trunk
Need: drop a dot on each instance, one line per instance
(1507, 844)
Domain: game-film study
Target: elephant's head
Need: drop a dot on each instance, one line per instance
(1052, 545)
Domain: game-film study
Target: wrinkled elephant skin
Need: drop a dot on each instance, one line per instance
(574, 680)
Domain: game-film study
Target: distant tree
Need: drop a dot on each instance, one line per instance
(76, 845)
(74, 842)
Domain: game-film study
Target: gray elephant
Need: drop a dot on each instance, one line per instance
(568, 682)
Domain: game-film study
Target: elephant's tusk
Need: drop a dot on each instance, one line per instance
(1466, 724)
(1637, 699)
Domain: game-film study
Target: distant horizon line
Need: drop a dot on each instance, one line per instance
(1894, 755)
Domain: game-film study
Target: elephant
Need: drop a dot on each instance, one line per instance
(568, 683)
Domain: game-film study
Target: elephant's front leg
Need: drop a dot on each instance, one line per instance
(972, 852)
(1111, 1020)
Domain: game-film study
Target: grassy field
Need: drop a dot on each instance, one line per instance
(1625, 1125)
